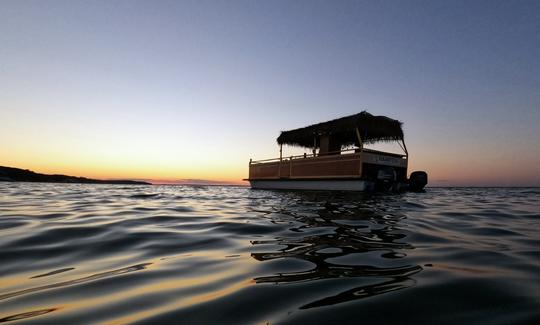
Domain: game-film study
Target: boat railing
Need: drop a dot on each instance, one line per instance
(305, 155)
(326, 154)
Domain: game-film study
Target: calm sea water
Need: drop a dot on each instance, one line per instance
(73, 254)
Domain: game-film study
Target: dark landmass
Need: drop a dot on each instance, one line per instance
(9, 174)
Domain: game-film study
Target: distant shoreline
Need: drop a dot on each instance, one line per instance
(11, 174)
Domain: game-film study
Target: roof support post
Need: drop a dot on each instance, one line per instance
(360, 140)
(280, 159)
(361, 144)
(290, 167)
(314, 144)
(406, 155)
(405, 148)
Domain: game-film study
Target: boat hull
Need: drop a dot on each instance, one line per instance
(317, 185)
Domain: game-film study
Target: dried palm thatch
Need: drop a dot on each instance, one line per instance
(343, 131)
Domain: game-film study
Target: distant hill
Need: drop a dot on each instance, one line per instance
(9, 174)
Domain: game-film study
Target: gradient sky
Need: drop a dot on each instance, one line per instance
(193, 89)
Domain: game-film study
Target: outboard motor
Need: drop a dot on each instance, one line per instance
(386, 177)
(417, 181)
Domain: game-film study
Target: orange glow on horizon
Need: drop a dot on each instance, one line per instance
(446, 166)
(226, 175)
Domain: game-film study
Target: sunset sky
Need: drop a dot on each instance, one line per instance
(170, 90)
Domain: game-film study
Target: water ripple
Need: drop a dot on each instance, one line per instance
(75, 281)
(74, 253)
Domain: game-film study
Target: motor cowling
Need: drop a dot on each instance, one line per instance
(417, 181)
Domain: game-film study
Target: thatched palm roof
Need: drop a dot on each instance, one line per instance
(343, 130)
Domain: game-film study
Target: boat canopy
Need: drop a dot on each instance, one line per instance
(349, 130)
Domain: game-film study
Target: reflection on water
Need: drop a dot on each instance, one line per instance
(26, 315)
(75, 281)
(204, 254)
(341, 239)
(397, 283)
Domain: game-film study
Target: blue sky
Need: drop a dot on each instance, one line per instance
(193, 89)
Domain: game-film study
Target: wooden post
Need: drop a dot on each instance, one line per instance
(280, 159)
(290, 167)
(314, 144)
(405, 148)
(406, 155)
(360, 140)
(361, 144)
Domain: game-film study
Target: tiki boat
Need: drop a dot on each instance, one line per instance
(338, 158)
